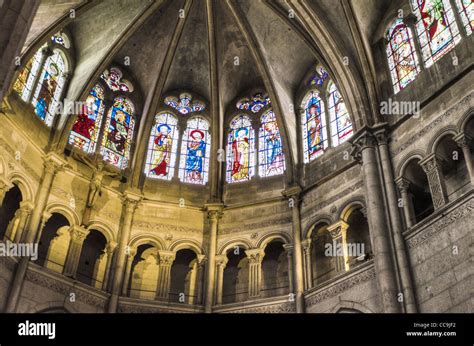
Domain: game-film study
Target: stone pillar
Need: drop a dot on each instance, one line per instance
(16, 17)
(200, 278)
(130, 203)
(164, 276)
(4, 187)
(214, 212)
(308, 272)
(255, 257)
(338, 233)
(463, 140)
(221, 262)
(78, 235)
(408, 210)
(410, 22)
(293, 195)
(18, 225)
(432, 167)
(289, 254)
(365, 149)
(128, 270)
(401, 252)
(110, 249)
(52, 164)
(44, 220)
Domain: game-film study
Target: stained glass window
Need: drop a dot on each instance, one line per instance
(319, 77)
(118, 133)
(436, 28)
(85, 131)
(402, 58)
(340, 121)
(195, 152)
(162, 146)
(466, 11)
(49, 88)
(24, 83)
(184, 104)
(313, 123)
(254, 104)
(240, 150)
(271, 160)
(113, 79)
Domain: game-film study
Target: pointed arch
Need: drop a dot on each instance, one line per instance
(118, 132)
(240, 150)
(195, 152)
(162, 147)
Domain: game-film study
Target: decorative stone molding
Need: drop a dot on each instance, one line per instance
(164, 228)
(255, 256)
(463, 104)
(256, 225)
(339, 287)
(442, 224)
(78, 233)
(432, 167)
(402, 184)
(280, 308)
(166, 257)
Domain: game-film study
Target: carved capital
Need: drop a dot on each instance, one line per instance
(462, 140)
(26, 207)
(131, 201)
(338, 229)
(214, 210)
(111, 246)
(431, 163)
(306, 244)
(293, 192)
(53, 163)
(166, 257)
(221, 261)
(289, 248)
(255, 256)
(403, 184)
(201, 260)
(78, 233)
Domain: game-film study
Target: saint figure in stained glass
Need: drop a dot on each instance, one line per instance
(271, 158)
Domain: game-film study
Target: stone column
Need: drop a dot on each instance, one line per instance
(432, 167)
(201, 260)
(308, 273)
(396, 222)
(463, 140)
(338, 232)
(410, 22)
(78, 235)
(408, 210)
(128, 270)
(293, 195)
(255, 257)
(44, 220)
(221, 262)
(164, 276)
(110, 249)
(365, 149)
(130, 203)
(289, 254)
(214, 212)
(19, 222)
(5, 186)
(52, 164)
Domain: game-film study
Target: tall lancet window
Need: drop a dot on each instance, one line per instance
(313, 124)
(436, 28)
(50, 86)
(86, 129)
(401, 54)
(466, 11)
(340, 121)
(118, 133)
(271, 160)
(25, 81)
(240, 150)
(162, 147)
(195, 152)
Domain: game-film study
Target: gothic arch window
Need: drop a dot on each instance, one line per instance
(118, 132)
(162, 147)
(271, 160)
(313, 121)
(240, 150)
(340, 121)
(402, 59)
(42, 80)
(436, 27)
(86, 129)
(466, 12)
(195, 152)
